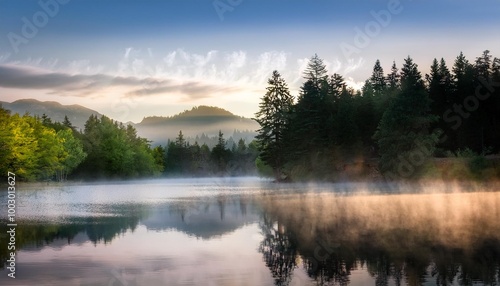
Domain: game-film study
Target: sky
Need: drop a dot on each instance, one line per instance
(132, 59)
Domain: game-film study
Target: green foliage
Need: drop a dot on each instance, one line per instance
(263, 169)
(273, 117)
(331, 127)
(72, 155)
(476, 163)
(346, 129)
(316, 71)
(115, 151)
(19, 147)
(220, 154)
(402, 136)
(182, 159)
(465, 153)
(33, 149)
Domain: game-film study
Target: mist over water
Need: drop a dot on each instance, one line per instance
(250, 231)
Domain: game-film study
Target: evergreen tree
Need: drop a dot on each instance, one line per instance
(377, 80)
(178, 159)
(68, 123)
(241, 146)
(463, 85)
(316, 71)
(439, 88)
(485, 115)
(366, 116)
(393, 80)
(306, 122)
(273, 117)
(483, 65)
(180, 141)
(220, 154)
(495, 67)
(196, 162)
(46, 120)
(402, 136)
(337, 85)
(384, 93)
(346, 130)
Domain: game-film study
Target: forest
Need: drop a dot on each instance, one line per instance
(402, 120)
(37, 149)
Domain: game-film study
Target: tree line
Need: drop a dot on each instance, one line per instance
(225, 158)
(37, 149)
(401, 117)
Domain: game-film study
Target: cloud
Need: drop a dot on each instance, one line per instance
(353, 65)
(23, 77)
(267, 63)
(191, 90)
(178, 73)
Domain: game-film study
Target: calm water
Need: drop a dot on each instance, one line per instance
(248, 231)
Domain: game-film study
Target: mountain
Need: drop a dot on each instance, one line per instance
(207, 120)
(202, 121)
(77, 114)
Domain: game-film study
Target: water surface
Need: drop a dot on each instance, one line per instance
(250, 231)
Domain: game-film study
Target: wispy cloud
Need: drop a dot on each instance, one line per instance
(178, 74)
(24, 77)
(354, 64)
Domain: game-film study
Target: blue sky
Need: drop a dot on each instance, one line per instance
(131, 59)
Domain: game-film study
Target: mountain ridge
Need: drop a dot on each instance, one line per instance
(204, 119)
(56, 111)
(198, 120)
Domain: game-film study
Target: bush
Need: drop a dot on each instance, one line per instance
(263, 169)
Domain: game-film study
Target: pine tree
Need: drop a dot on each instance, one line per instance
(483, 65)
(463, 85)
(316, 71)
(306, 122)
(220, 154)
(180, 141)
(377, 79)
(402, 136)
(439, 88)
(393, 78)
(346, 130)
(367, 117)
(68, 123)
(385, 94)
(273, 117)
(485, 116)
(495, 67)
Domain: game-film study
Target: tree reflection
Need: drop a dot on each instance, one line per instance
(332, 270)
(98, 230)
(279, 250)
(398, 240)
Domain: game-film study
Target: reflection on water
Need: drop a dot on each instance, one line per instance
(252, 232)
(403, 239)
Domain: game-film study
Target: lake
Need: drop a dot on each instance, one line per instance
(251, 231)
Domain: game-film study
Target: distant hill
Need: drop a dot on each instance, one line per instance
(199, 120)
(202, 121)
(77, 114)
